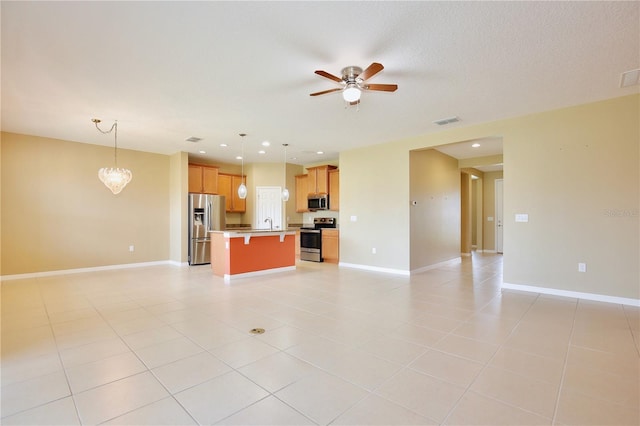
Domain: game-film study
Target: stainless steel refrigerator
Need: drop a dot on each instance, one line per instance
(206, 213)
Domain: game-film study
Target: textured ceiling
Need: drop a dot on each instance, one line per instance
(170, 70)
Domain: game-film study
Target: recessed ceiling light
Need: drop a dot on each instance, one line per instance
(320, 152)
(224, 145)
(265, 143)
(202, 152)
(262, 151)
(475, 145)
(239, 157)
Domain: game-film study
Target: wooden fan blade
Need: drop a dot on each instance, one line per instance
(382, 87)
(329, 76)
(326, 91)
(372, 70)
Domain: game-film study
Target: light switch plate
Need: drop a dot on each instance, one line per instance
(522, 217)
(354, 218)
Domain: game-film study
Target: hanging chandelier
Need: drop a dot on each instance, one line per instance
(242, 189)
(114, 178)
(285, 191)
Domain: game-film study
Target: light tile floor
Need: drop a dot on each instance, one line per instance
(171, 345)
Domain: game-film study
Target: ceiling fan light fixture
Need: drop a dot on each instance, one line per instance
(351, 93)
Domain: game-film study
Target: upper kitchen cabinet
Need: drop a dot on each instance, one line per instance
(228, 186)
(334, 190)
(203, 179)
(319, 179)
(302, 190)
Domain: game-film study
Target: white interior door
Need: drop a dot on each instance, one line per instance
(268, 206)
(499, 215)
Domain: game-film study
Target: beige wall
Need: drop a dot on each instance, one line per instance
(573, 170)
(58, 215)
(576, 173)
(435, 208)
(374, 188)
(179, 186)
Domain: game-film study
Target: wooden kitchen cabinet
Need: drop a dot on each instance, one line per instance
(330, 245)
(334, 190)
(203, 179)
(228, 186)
(302, 190)
(319, 179)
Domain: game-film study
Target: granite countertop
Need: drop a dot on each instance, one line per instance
(243, 227)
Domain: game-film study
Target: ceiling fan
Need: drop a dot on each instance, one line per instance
(353, 82)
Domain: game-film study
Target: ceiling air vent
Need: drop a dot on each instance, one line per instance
(193, 139)
(630, 78)
(449, 120)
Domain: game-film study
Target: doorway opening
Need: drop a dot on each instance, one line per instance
(268, 208)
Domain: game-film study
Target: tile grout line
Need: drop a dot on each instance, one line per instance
(633, 336)
(408, 367)
(143, 363)
(566, 361)
(55, 339)
(486, 365)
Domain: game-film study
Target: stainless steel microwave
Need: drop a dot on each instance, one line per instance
(317, 202)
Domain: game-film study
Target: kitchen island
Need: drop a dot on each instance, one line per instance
(252, 252)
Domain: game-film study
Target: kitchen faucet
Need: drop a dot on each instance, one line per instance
(270, 223)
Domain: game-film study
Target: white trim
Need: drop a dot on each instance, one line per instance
(573, 294)
(375, 268)
(92, 269)
(465, 254)
(229, 277)
(450, 262)
(487, 251)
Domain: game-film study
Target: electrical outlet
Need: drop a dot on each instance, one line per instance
(373, 250)
(131, 248)
(582, 267)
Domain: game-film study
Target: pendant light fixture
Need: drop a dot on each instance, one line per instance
(242, 189)
(114, 178)
(285, 191)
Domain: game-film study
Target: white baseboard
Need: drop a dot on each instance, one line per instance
(450, 262)
(374, 268)
(573, 294)
(92, 269)
(228, 278)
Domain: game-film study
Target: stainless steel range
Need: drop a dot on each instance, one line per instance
(311, 238)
